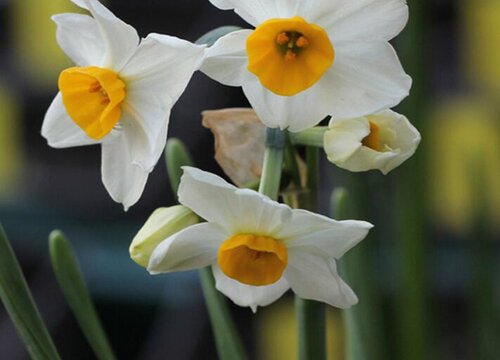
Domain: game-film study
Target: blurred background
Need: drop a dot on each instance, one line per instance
(427, 276)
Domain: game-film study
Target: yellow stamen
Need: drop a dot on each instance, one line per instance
(373, 139)
(92, 97)
(253, 259)
(282, 38)
(289, 55)
(302, 42)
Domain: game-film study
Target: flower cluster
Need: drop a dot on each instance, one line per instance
(302, 61)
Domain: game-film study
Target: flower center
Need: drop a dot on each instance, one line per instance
(253, 259)
(92, 97)
(372, 140)
(289, 55)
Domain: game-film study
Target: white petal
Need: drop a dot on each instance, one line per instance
(365, 78)
(192, 248)
(399, 140)
(361, 20)
(315, 277)
(156, 76)
(404, 140)
(120, 39)
(162, 64)
(79, 37)
(226, 60)
(248, 295)
(237, 210)
(322, 234)
(122, 176)
(295, 113)
(407, 139)
(59, 130)
(344, 138)
(257, 11)
(149, 118)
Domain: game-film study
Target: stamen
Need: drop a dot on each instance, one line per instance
(290, 55)
(302, 42)
(95, 87)
(282, 38)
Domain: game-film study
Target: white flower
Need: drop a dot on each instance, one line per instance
(119, 94)
(382, 141)
(258, 248)
(307, 59)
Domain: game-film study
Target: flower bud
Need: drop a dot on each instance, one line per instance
(162, 223)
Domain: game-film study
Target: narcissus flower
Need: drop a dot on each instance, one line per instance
(307, 59)
(382, 141)
(119, 94)
(258, 248)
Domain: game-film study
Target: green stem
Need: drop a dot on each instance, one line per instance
(291, 163)
(310, 137)
(75, 291)
(273, 163)
(311, 314)
(21, 307)
(354, 345)
(311, 329)
(229, 346)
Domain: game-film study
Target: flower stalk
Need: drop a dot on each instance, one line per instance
(273, 162)
(310, 137)
(311, 314)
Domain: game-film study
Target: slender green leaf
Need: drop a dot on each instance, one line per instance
(229, 346)
(212, 36)
(176, 156)
(21, 307)
(75, 291)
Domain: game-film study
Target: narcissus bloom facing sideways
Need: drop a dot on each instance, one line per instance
(307, 59)
(382, 141)
(258, 248)
(119, 94)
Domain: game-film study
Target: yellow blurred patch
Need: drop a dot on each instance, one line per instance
(10, 142)
(463, 138)
(277, 332)
(34, 39)
(482, 42)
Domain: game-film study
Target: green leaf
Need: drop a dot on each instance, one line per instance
(75, 291)
(176, 156)
(212, 36)
(229, 346)
(21, 307)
